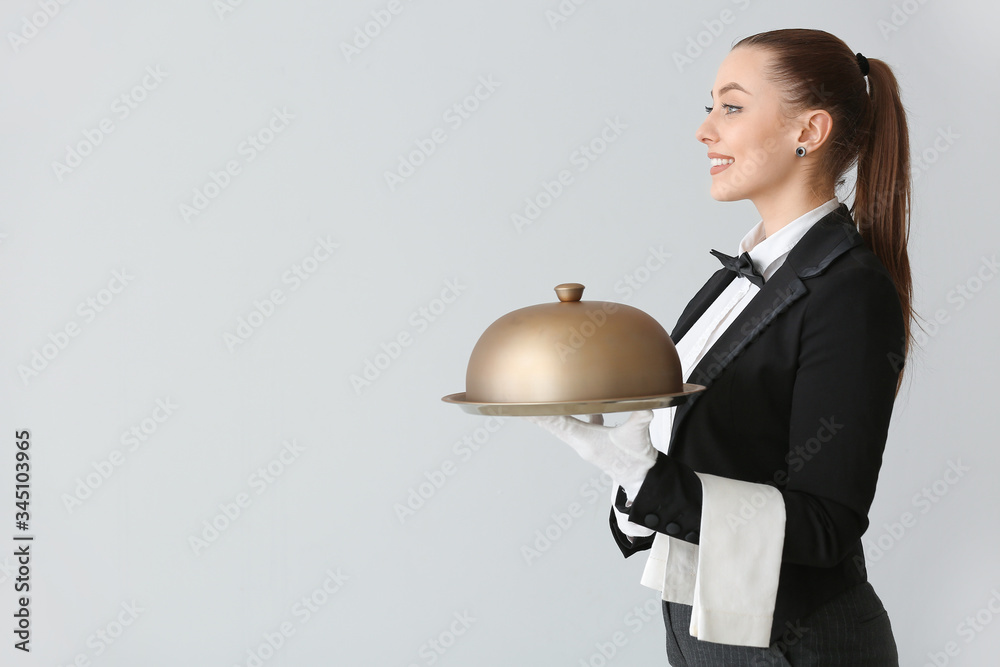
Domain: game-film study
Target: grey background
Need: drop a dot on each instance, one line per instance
(334, 506)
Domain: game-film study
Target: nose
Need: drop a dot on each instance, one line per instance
(706, 131)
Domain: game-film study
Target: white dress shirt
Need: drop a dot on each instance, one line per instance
(679, 569)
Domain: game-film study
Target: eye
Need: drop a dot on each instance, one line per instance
(725, 106)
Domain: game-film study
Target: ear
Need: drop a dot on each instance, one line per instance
(817, 125)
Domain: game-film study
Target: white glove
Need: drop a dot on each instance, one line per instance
(625, 452)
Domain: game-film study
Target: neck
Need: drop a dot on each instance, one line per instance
(778, 212)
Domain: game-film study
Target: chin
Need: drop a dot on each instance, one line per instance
(723, 192)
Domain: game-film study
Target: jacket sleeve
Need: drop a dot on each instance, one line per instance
(851, 343)
(627, 543)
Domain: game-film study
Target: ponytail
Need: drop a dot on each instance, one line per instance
(882, 196)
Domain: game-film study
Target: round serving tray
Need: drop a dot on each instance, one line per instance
(573, 407)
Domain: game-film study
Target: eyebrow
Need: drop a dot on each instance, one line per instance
(730, 86)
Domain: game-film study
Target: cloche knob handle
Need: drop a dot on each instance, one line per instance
(569, 292)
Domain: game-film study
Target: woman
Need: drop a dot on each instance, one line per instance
(754, 515)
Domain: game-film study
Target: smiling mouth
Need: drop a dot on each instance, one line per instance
(719, 165)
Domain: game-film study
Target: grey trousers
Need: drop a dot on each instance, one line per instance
(850, 630)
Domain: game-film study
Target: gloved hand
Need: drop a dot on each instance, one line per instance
(625, 452)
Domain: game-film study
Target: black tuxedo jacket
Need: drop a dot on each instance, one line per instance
(799, 394)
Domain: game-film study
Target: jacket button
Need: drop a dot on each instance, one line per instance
(691, 537)
(651, 520)
(672, 528)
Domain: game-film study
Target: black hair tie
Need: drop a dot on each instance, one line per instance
(862, 63)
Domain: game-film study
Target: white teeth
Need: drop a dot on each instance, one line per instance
(716, 161)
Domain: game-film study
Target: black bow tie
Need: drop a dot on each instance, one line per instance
(741, 266)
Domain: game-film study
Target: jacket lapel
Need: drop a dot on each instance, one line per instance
(831, 236)
(701, 301)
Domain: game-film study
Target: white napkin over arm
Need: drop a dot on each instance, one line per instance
(730, 576)
(739, 561)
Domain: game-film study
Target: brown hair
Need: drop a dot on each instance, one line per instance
(816, 70)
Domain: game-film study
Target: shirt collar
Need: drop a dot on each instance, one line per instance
(767, 253)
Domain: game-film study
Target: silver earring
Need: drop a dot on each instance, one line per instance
(800, 151)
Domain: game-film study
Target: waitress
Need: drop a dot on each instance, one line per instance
(756, 494)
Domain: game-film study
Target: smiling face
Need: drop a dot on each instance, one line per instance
(747, 127)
